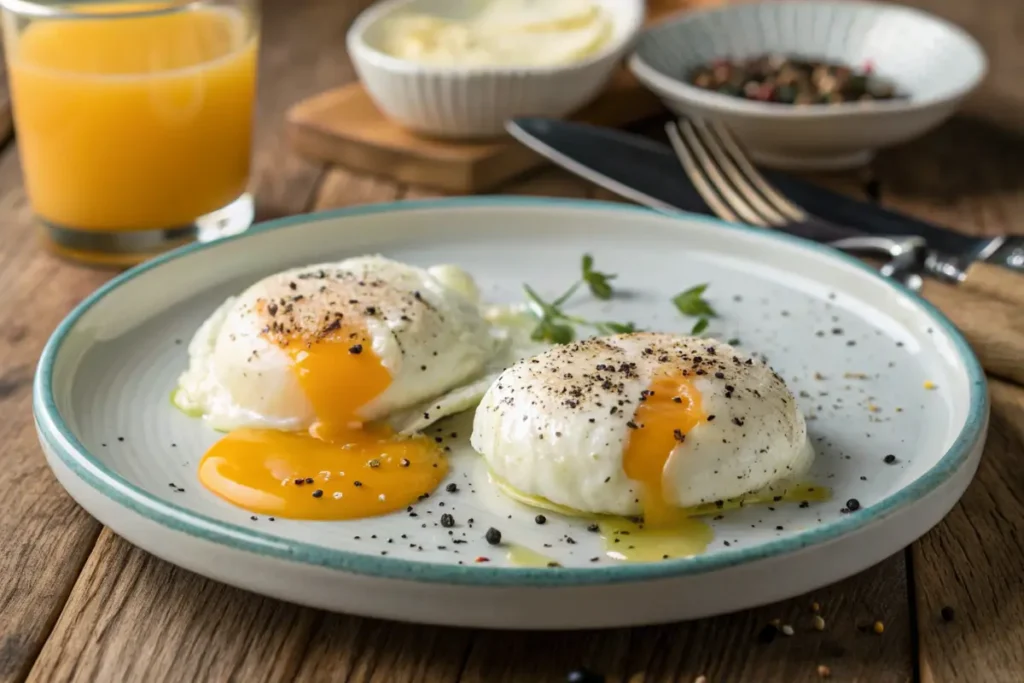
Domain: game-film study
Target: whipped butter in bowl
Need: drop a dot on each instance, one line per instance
(502, 33)
(461, 68)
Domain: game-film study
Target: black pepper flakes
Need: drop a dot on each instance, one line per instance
(355, 349)
(540, 519)
(889, 459)
(853, 505)
(318, 493)
(447, 521)
(493, 536)
(452, 487)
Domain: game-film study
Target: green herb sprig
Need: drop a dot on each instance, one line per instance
(555, 325)
(692, 303)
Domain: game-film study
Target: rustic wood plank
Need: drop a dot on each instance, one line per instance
(40, 522)
(133, 617)
(967, 176)
(725, 648)
(971, 563)
(373, 651)
(302, 53)
(999, 26)
(341, 187)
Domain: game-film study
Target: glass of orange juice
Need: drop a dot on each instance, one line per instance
(133, 121)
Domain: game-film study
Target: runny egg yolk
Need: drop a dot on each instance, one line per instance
(670, 409)
(342, 468)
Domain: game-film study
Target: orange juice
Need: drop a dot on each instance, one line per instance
(134, 123)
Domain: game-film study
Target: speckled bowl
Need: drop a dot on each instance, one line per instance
(936, 63)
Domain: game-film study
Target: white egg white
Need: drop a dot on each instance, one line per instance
(430, 336)
(556, 426)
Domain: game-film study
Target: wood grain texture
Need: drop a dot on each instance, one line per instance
(725, 648)
(343, 126)
(39, 521)
(971, 562)
(993, 327)
(302, 52)
(999, 26)
(130, 616)
(995, 282)
(967, 176)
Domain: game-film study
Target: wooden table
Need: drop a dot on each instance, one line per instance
(77, 602)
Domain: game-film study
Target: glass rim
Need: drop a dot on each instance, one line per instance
(30, 8)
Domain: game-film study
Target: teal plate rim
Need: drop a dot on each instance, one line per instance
(59, 437)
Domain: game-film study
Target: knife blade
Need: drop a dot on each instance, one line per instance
(648, 172)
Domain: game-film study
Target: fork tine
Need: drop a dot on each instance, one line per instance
(738, 180)
(693, 171)
(781, 203)
(717, 180)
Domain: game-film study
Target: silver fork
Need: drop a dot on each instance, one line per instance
(737, 192)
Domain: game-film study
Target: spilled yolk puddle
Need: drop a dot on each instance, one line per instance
(342, 468)
(672, 408)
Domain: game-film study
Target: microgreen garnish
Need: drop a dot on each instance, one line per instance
(555, 325)
(693, 304)
(596, 280)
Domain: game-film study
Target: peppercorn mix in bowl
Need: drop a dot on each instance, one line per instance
(812, 85)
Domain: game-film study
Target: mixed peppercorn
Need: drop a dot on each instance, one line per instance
(793, 80)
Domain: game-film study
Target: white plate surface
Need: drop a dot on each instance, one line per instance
(857, 349)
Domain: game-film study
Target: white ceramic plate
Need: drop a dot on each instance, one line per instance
(117, 445)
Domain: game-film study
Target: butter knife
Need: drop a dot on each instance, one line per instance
(648, 172)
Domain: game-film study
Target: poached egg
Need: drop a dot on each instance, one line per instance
(641, 424)
(304, 368)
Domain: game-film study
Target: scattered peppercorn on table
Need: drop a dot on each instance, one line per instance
(78, 603)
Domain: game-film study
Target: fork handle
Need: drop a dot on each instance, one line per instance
(993, 327)
(998, 282)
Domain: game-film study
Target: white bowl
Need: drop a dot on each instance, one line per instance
(473, 102)
(932, 61)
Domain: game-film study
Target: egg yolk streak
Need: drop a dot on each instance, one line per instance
(670, 408)
(342, 468)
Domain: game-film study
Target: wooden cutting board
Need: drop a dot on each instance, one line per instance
(344, 127)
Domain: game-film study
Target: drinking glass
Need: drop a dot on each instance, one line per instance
(133, 121)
